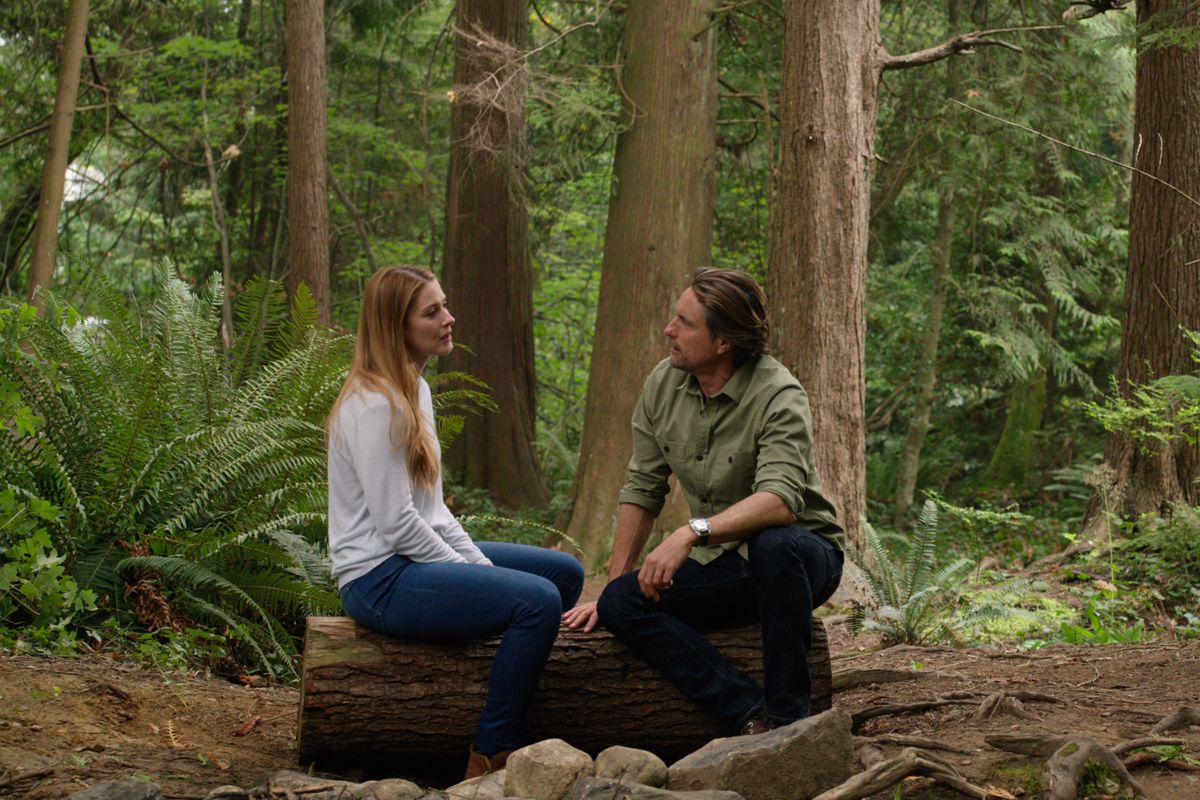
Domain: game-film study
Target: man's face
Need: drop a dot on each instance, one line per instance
(693, 347)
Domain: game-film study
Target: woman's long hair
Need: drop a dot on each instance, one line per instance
(382, 364)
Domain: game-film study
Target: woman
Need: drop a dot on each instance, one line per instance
(404, 565)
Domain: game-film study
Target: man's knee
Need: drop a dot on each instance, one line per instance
(619, 601)
(772, 548)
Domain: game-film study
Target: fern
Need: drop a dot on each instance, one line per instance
(911, 596)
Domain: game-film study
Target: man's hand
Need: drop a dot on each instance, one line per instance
(664, 561)
(582, 616)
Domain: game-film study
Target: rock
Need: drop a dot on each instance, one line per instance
(127, 789)
(485, 787)
(545, 771)
(610, 789)
(630, 764)
(795, 762)
(391, 789)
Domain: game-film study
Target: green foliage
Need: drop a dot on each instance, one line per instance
(39, 601)
(1164, 556)
(170, 460)
(1011, 610)
(1106, 621)
(912, 593)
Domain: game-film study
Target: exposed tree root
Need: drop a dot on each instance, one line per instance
(1001, 703)
(849, 678)
(1143, 758)
(908, 741)
(1147, 741)
(857, 720)
(1068, 758)
(1178, 718)
(911, 761)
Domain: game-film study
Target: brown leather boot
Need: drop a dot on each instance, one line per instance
(756, 726)
(479, 765)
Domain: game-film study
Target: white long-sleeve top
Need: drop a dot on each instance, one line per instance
(375, 509)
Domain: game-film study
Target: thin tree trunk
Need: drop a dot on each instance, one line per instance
(935, 307)
(817, 278)
(54, 172)
(219, 220)
(308, 203)
(1162, 283)
(659, 231)
(486, 264)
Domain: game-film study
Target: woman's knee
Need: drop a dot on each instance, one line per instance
(540, 601)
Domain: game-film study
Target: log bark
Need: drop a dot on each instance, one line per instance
(365, 695)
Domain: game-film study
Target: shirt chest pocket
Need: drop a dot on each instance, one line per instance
(731, 475)
(674, 452)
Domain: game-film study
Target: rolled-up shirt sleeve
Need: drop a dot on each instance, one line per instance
(784, 459)
(646, 476)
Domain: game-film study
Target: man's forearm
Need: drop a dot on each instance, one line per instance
(634, 524)
(749, 516)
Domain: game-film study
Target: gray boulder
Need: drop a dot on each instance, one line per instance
(610, 789)
(128, 789)
(545, 771)
(796, 762)
(630, 764)
(485, 787)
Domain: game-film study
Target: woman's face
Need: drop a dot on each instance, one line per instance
(427, 326)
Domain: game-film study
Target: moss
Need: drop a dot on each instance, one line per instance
(1012, 462)
(1020, 774)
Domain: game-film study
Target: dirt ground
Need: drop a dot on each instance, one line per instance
(65, 724)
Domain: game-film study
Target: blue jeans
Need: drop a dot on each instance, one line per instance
(790, 572)
(522, 596)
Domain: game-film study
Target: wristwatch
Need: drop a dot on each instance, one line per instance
(702, 529)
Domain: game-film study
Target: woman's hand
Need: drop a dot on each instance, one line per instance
(582, 616)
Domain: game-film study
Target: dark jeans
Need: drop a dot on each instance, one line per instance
(790, 572)
(522, 596)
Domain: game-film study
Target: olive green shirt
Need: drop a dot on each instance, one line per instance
(753, 436)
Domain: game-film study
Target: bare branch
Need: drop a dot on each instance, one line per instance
(959, 44)
(1082, 9)
(1122, 165)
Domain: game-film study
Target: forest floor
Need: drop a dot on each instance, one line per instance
(68, 723)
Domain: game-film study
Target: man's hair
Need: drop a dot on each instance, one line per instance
(735, 309)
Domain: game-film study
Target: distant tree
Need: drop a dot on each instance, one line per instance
(54, 172)
(486, 266)
(659, 231)
(1162, 282)
(308, 201)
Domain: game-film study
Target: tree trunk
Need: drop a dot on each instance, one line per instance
(817, 277)
(368, 696)
(54, 172)
(1162, 283)
(935, 307)
(308, 202)
(659, 231)
(486, 267)
(1015, 453)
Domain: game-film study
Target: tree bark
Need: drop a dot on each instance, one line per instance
(308, 202)
(818, 236)
(659, 231)
(366, 695)
(486, 266)
(1162, 283)
(54, 172)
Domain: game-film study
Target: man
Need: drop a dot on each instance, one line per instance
(733, 425)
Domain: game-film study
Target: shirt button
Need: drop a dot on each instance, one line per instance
(699, 458)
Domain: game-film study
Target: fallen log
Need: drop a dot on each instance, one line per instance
(366, 696)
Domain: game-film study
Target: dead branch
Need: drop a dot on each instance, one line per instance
(1178, 718)
(28, 775)
(907, 741)
(959, 44)
(911, 761)
(1120, 164)
(857, 720)
(1143, 758)
(360, 223)
(1148, 741)
(1083, 9)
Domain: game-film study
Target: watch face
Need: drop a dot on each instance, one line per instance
(700, 525)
